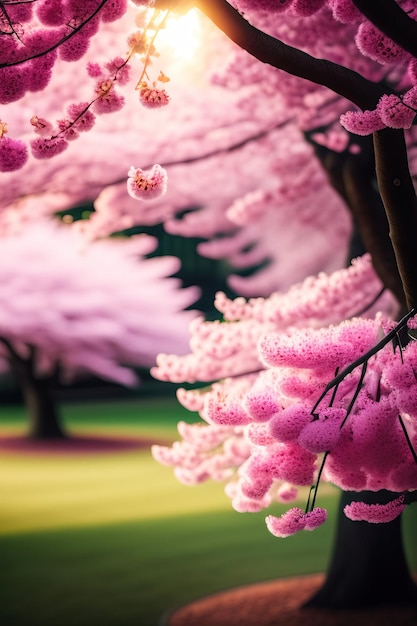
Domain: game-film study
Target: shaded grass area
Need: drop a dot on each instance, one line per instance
(115, 540)
(130, 574)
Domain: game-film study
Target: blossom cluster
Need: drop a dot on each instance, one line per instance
(39, 33)
(284, 425)
(393, 111)
(147, 185)
(46, 46)
(373, 49)
(13, 152)
(230, 348)
(375, 513)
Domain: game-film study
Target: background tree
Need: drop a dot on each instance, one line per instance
(69, 311)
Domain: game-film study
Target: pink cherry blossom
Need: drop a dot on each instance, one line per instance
(119, 68)
(108, 100)
(286, 425)
(394, 113)
(67, 130)
(94, 69)
(82, 118)
(362, 123)
(74, 48)
(412, 70)
(305, 8)
(41, 126)
(375, 513)
(319, 436)
(153, 98)
(295, 520)
(345, 11)
(329, 348)
(113, 10)
(371, 42)
(13, 154)
(47, 148)
(51, 12)
(262, 405)
(147, 185)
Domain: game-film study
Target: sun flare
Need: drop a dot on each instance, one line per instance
(181, 35)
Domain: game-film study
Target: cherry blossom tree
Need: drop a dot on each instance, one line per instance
(305, 395)
(237, 410)
(71, 310)
(267, 426)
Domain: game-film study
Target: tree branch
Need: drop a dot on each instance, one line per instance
(353, 177)
(343, 81)
(73, 32)
(393, 176)
(389, 17)
(14, 355)
(400, 202)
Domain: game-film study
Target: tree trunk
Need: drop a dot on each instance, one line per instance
(41, 408)
(368, 567)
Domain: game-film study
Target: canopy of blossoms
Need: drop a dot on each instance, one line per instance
(121, 74)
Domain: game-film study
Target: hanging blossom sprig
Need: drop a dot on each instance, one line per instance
(398, 375)
(151, 94)
(80, 117)
(148, 185)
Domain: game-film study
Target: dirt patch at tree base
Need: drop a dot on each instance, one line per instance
(74, 445)
(279, 603)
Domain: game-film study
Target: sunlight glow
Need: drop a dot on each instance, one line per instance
(182, 35)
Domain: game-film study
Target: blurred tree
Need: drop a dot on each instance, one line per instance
(68, 310)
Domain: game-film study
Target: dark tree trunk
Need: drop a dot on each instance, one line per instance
(37, 392)
(368, 567)
(352, 176)
(43, 417)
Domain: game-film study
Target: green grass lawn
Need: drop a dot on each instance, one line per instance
(115, 540)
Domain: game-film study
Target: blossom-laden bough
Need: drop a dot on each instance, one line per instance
(301, 399)
(37, 34)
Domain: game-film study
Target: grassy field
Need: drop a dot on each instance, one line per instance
(114, 540)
